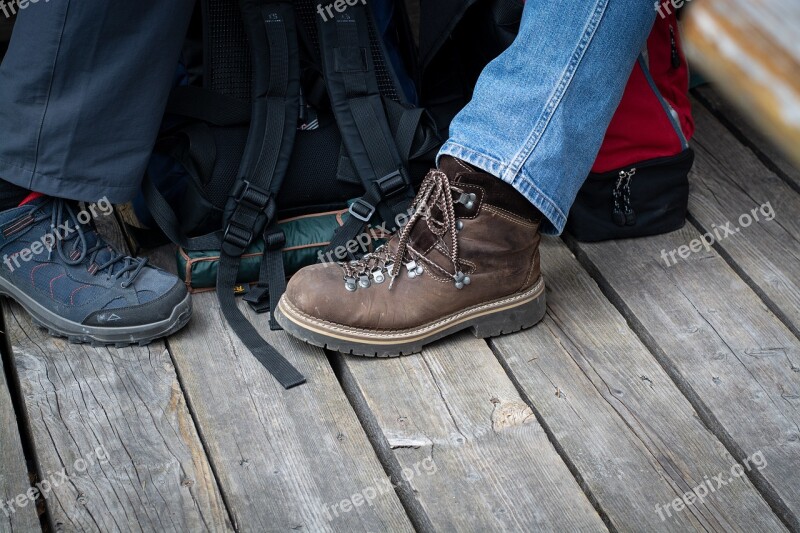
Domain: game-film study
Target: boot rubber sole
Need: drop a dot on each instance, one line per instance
(505, 315)
(77, 333)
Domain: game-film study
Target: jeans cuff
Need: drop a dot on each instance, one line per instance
(555, 220)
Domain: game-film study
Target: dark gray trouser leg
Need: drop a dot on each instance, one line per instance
(82, 92)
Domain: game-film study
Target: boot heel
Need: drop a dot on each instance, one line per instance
(515, 319)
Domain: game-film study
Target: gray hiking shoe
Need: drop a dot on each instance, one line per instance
(72, 283)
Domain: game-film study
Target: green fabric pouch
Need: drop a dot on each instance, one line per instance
(306, 237)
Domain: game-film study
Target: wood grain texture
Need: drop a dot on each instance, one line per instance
(730, 184)
(127, 401)
(734, 360)
(128, 404)
(750, 48)
(286, 460)
(454, 407)
(746, 133)
(633, 437)
(14, 479)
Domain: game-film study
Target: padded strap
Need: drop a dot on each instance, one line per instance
(251, 208)
(357, 105)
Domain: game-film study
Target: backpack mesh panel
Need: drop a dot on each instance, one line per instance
(228, 65)
(230, 147)
(311, 180)
(385, 82)
(307, 15)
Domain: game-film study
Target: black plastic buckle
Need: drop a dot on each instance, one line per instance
(254, 209)
(251, 196)
(236, 239)
(362, 210)
(393, 184)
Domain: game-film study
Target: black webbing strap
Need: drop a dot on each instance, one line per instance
(271, 279)
(358, 107)
(251, 209)
(167, 221)
(192, 145)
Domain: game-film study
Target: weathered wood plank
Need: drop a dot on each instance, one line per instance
(730, 184)
(747, 134)
(734, 360)
(115, 423)
(491, 466)
(283, 457)
(14, 479)
(633, 437)
(750, 48)
(286, 460)
(127, 404)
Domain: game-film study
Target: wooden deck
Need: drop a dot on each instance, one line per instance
(644, 382)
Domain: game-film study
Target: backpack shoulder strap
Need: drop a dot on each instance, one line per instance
(350, 75)
(251, 210)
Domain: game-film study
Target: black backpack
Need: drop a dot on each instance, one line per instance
(295, 114)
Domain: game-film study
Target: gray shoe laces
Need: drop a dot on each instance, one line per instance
(116, 266)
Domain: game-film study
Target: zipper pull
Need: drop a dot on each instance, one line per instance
(623, 213)
(676, 58)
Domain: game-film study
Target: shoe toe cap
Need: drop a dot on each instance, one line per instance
(316, 290)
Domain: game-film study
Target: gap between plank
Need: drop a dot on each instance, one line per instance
(741, 136)
(201, 435)
(731, 262)
(770, 495)
(391, 466)
(562, 453)
(23, 427)
(129, 242)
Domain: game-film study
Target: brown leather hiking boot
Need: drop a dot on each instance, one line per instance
(467, 258)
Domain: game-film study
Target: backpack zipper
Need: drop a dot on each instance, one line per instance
(623, 213)
(676, 57)
(672, 115)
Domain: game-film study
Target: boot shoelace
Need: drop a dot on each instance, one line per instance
(116, 266)
(435, 191)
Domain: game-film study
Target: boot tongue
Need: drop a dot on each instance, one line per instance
(453, 167)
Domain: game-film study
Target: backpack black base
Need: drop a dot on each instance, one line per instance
(650, 198)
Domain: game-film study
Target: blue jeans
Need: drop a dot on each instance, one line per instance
(540, 110)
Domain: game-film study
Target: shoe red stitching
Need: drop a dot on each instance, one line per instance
(37, 267)
(51, 285)
(72, 296)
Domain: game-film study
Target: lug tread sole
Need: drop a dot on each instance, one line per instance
(493, 324)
